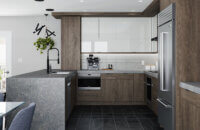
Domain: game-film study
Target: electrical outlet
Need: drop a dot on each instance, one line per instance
(142, 62)
(19, 60)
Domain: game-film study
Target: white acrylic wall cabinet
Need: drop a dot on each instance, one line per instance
(154, 33)
(116, 34)
(89, 33)
(154, 26)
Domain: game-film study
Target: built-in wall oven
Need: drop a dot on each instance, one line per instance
(89, 81)
(148, 84)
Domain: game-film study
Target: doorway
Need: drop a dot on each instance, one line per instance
(5, 58)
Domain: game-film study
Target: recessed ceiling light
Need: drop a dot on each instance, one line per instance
(39, 0)
(140, 1)
(82, 1)
(49, 9)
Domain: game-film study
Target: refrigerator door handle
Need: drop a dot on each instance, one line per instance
(162, 64)
(165, 105)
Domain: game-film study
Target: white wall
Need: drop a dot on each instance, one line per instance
(25, 57)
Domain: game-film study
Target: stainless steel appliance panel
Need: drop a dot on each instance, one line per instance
(68, 99)
(89, 81)
(166, 61)
(166, 49)
(165, 115)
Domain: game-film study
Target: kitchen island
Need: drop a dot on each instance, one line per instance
(52, 94)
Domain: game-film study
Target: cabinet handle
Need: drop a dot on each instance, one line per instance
(68, 84)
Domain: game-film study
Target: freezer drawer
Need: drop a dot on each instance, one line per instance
(165, 112)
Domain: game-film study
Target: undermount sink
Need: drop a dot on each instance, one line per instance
(61, 72)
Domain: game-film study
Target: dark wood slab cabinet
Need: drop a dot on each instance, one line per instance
(190, 106)
(71, 43)
(116, 89)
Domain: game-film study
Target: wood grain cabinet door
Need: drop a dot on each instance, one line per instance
(110, 86)
(117, 87)
(139, 88)
(190, 106)
(124, 90)
(71, 43)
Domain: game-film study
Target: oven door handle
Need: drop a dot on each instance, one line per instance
(88, 77)
(165, 105)
(148, 84)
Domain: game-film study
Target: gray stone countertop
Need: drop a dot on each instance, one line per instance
(191, 86)
(111, 71)
(43, 74)
(153, 74)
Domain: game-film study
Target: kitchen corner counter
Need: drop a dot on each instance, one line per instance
(191, 86)
(43, 74)
(111, 71)
(152, 74)
(48, 91)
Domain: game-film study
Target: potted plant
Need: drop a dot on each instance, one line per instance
(44, 43)
(1, 76)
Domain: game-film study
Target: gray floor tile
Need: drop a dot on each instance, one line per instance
(121, 123)
(109, 123)
(112, 118)
(134, 123)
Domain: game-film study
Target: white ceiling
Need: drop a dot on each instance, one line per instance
(31, 7)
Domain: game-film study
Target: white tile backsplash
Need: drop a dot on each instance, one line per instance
(124, 61)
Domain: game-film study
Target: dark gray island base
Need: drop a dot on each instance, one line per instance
(50, 93)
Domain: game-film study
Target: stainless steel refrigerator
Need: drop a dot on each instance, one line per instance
(166, 49)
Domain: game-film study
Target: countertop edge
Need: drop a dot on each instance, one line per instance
(155, 75)
(42, 74)
(191, 86)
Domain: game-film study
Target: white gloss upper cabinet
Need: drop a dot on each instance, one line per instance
(154, 21)
(89, 28)
(89, 33)
(116, 34)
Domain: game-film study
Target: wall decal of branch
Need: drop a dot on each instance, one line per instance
(46, 42)
(39, 28)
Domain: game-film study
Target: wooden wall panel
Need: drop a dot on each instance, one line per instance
(153, 9)
(165, 3)
(71, 43)
(190, 110)
(187, 50)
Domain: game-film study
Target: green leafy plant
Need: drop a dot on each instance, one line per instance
(44, 43)
(1, 73)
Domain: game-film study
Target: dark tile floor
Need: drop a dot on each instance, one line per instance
(112, 118)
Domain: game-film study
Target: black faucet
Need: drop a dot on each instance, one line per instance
(48, 60)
